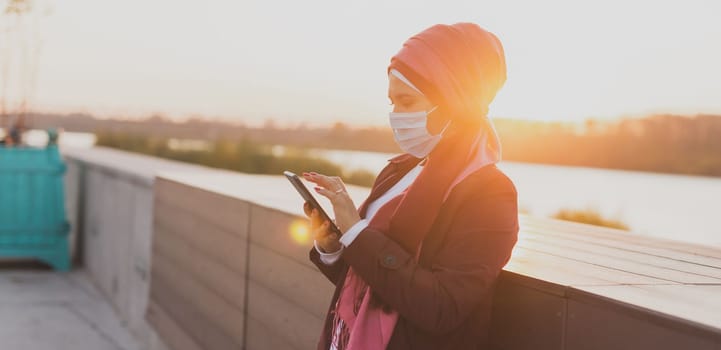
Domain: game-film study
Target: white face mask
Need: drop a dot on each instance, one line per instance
(411, 134)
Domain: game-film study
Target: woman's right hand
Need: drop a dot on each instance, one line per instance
(328, 241)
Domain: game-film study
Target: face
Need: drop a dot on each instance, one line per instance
(406, 99)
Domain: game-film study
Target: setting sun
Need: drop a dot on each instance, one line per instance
(255, 61)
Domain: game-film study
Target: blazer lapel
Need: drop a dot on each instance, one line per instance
(397, 167)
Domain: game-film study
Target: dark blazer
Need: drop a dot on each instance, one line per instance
(444, 301)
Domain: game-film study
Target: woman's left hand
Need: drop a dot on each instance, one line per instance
(333, 188)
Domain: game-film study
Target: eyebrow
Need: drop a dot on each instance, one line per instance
(400, 95)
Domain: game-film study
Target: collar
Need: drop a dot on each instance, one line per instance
(403, 158)
(404, 162)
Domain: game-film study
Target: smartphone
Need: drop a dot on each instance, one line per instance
(305, 193)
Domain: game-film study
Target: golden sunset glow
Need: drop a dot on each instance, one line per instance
(300, 232)
(260, 60)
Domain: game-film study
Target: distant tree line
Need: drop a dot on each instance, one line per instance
(243, 156)
(335, 136)
(661, 143)
(658, 143)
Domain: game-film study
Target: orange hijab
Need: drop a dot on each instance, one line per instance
(460, 68)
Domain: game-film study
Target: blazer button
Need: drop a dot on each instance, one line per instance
(389, 260)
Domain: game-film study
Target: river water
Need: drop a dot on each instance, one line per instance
(678, 207)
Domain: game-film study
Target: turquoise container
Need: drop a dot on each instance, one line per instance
(33, 223)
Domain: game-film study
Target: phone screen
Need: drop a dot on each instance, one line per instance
(305, 193)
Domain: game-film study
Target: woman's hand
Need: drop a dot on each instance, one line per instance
(327, 239)
(332, 187)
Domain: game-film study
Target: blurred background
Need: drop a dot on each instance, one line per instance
(611, 113)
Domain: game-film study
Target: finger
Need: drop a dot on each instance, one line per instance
(322, 180)
(315, 219)
(307, 209)
(321, 233)
(325, 226)
(310, 176)
(326, 193)
(339, 181)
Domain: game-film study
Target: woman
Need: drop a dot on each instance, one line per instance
(416, 265)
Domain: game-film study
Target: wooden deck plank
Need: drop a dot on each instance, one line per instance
(170, 332)
(198, 324)
(700, 304)
(538, 315)
(630, 237)
(214, 242)
(601, 325)
(174, 289)
(628, 241)
(220, 279)
(303, 285)
(272, 230)
(567, 272)
(536, 239)
(233, 217)
(262, 337)
(288, 320)
(577, 252)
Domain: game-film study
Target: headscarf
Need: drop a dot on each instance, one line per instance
(459, 68)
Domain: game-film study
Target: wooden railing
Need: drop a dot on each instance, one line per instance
(228, 270)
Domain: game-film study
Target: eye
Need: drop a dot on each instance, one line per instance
(406, 102)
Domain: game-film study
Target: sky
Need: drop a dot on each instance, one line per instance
(317, 62)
